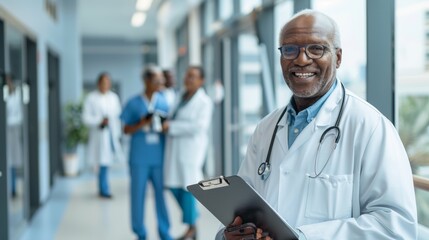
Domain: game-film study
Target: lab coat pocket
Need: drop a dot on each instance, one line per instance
(329, 197)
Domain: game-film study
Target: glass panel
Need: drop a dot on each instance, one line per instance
(412, 89)
(226, 9)
(209, 17)
(351, 19)
(16, 138)
(182, 52)
(213, 152)
(250, 89)
(282, 12)
(246, 6)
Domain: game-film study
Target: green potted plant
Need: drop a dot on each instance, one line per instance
(75, 133)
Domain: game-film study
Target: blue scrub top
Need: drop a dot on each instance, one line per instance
(143, 153)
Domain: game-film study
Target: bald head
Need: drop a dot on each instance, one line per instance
(315, 20)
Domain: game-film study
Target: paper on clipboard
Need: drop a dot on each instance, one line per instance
(228, 197)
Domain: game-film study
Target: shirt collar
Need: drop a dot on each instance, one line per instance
(309, 112)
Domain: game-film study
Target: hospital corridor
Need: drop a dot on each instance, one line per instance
(73, 211)
(214, 119)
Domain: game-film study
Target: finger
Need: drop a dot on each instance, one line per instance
(248, 237)
(237, 221)
(266, 237)
(258, 233)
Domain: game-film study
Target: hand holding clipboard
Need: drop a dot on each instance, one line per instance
(229, 197)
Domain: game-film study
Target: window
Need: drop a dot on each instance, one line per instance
(351, 19)
(226, 9)
(412, 91)
(282, 12)
(250, 89)
(209, 17)
(246, 6)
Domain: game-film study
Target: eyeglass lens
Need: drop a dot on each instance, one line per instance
(313, 51)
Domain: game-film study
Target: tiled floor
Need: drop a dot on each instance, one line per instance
(74, 211)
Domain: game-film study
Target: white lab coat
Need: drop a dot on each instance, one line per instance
(170, 96)
(366, 190)
(187, 142)
(96, 107)
(15, 118)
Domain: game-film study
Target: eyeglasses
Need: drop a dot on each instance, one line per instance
(313, 51)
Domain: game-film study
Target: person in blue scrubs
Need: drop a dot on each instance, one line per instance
(141, 116)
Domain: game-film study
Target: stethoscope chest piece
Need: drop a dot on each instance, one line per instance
(264, 170)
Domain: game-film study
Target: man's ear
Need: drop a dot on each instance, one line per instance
(339, 54)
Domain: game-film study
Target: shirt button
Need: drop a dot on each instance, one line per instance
(296, 130)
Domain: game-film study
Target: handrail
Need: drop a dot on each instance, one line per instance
(421, 182)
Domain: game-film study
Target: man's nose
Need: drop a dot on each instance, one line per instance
(302, 59)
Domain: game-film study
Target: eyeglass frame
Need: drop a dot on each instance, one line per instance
(305, 50)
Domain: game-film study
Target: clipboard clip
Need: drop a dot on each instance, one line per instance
(213, 183)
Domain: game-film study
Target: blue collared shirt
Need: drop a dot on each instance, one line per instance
(297, 122)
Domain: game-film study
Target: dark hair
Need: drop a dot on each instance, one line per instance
(5, 76)
(100, 76)
(166, 72)
(150, 71)
(200, 69)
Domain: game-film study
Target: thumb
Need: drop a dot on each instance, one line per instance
(237, 221)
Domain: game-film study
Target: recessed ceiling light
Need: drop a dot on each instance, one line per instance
(143, 5)
(138, 19)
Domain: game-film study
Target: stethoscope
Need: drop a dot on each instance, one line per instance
(264, 169)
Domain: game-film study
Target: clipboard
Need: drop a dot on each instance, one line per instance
(228, 197)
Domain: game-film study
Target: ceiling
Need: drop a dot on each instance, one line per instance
(111, 19)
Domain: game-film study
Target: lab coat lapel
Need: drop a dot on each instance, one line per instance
(324, 118)
(304, 136)
(191, 105)
(281, 136)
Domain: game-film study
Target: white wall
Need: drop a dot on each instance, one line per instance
(71, 63)
(169, 17)
(194, 37)
(123, 63)
(166, 37)
(60, 35)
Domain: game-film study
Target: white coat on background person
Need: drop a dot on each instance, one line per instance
(96, 107)
(187, 142)
(14, 141)
(14, 121)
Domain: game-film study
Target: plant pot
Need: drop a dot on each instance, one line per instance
(71, 164)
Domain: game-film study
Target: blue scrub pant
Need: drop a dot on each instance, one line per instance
(139, 178)
(103, 185)
(188, 205)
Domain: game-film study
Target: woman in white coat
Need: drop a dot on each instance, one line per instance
(101, 112)
(14, 122)
(187, 144)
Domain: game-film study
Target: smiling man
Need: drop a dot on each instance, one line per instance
(329, 163)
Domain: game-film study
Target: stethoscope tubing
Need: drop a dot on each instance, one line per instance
(264, 168)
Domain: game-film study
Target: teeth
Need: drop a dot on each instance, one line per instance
(304, 75)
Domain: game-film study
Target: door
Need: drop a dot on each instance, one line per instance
(4, 196)
(33, 128)
(54, 116)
